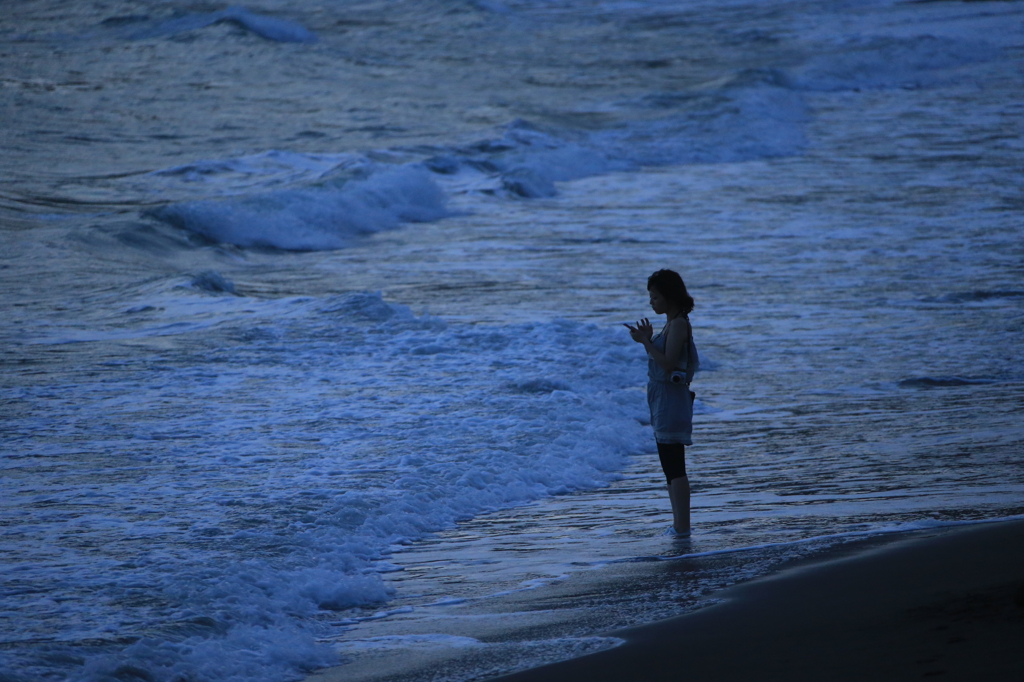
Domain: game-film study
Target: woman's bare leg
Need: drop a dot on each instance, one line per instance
(679, 494)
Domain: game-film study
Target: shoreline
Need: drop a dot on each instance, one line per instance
(786, 592)
(946, 605)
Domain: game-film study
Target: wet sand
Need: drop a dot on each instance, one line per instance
(943, 605)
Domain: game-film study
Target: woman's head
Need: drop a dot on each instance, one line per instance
(670, 285)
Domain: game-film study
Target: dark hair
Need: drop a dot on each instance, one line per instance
(670, 285)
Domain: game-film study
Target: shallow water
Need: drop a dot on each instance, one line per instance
(222, 458)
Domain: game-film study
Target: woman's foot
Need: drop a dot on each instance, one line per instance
(671, 531)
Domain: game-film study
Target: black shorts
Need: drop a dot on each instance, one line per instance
(673, 460)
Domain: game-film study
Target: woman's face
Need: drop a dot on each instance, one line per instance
(658, 302)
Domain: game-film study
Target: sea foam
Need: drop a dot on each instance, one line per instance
(328, 216)
(748, 119)
(740, 123)
(269, 478)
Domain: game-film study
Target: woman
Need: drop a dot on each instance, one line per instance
(672, 360)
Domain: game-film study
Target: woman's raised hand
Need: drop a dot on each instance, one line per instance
(641, 332)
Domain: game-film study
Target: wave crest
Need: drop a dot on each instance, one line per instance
(314, 219)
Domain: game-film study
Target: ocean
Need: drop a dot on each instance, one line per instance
(312, 317)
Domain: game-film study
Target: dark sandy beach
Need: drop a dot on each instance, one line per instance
(946, 605)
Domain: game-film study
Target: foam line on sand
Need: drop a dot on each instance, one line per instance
(940, 605)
